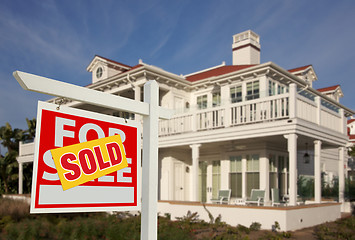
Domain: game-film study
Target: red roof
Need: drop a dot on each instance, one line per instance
(115, 62)
(227, 69)
(216, 72)
(299, 68)
(351, 120)
(326, 89)
(134, 67)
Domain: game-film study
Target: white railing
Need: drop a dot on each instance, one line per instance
(330, 119)
(264, 109)
(210, 119)
(26, 148)
(306, 109)
(181, 123)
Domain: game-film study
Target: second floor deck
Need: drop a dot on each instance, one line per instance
(291, 105)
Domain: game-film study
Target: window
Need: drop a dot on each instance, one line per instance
(273, 181)
(216, 178)
(252, 173)
(236, 94)
(125, 115)
(203, 181)
(202, 102)
(252, 90)
(236, 176)
(272, 86)
(99, 72)
(283, 174)
(216, 99)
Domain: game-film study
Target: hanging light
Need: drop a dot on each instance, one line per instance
(306, 156)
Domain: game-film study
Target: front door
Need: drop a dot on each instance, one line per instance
(179, 182)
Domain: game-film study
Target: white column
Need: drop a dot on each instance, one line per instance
(263, 81)
(225, 97)
(317, 172)
(264, 172)
(194, 171)
(244, 177)
(341, 174)
(150, 163)
(209, 181)
(343, 124)
(20, 178)
(293, 101)
(244, 90)
(292, 151)
(318, 115)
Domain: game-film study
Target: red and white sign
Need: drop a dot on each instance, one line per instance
(117, 191)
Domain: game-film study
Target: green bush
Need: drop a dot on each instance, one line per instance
(305, 187)
(255, 226)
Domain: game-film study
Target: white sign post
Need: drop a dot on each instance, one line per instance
(151, 113)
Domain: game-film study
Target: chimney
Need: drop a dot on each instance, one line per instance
(246, 48)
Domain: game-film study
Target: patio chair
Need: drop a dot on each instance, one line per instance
(223, 197)
(275, 197)
(256, 196)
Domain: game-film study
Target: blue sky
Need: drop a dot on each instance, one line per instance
(58, 39)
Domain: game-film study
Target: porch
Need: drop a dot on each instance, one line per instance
(290, 218)
(196, 172)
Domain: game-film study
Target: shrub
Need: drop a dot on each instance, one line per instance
(242, 228)
(255, 226)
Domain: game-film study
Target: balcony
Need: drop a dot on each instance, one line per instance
(273, 108)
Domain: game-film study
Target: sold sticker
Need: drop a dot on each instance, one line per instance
(83, 162)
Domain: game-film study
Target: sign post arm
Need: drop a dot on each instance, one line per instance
(150, 163)
(61, 89)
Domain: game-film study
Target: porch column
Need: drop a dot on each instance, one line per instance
(20, 177)
(244, 177)
(317, 172)
(194, 173)
(292, 152)
(293, 100)
(264, 176)
(341, 174)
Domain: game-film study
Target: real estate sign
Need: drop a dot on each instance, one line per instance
(59, 127)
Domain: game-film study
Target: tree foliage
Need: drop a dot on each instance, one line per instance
(10, 139)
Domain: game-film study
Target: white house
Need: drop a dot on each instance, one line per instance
(244, 126)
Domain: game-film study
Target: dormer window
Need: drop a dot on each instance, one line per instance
(99, 72)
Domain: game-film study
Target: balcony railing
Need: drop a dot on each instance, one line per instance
(257, 110)
(264, 109)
